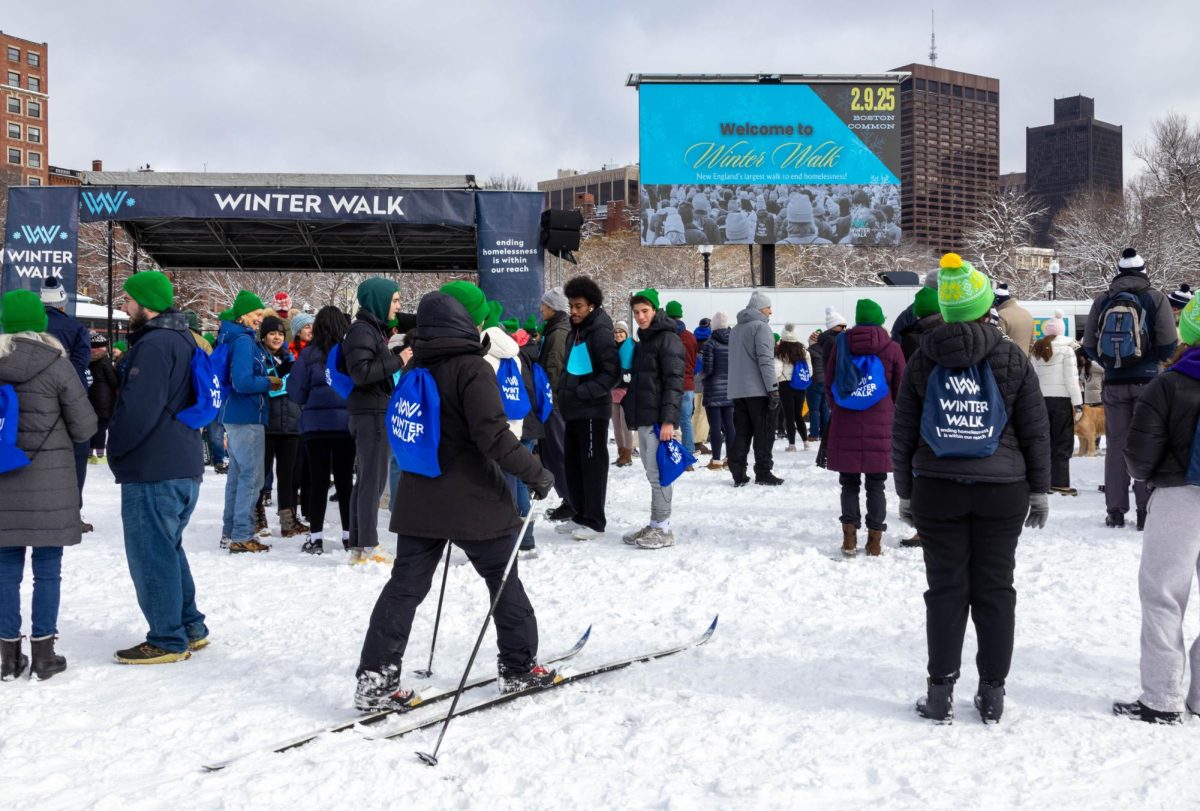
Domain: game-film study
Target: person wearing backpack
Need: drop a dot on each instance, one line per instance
(244, 414)
(714, 368)
(792, 369)
(1164, 452)
(926, 317)
(1054, 361)
(653, 407)
(467, 504)
(157, 460)
(324, 429)
(1130, 330)
(970, 448)
(754, 391)
(584, 397)
(863, 368)
(39, 501)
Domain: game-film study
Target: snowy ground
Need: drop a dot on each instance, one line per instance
(803, 697)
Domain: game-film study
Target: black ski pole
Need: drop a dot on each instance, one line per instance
(431, 759)
(427, 672)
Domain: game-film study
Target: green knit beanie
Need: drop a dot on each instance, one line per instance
(650, 295)
(375, 296)
(964, 294)
(121, 346)
(1189, 322)
(245, 302)
(868, 313)
(775, 335)
(212, 339)
(470, 297)
(674, 309)
(22, 311)
(151, 289)
(531, 325)
(510, 325)
(926, 302)
(495, 310)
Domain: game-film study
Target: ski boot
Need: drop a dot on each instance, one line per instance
(12, 661)
(1140, 712)
(537, 676)
(381, 691)
(989, 700)
(938, 704)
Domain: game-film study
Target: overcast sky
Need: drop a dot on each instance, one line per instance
(525, 88)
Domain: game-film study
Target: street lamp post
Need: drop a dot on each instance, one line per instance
(1054, 269)
(705, 251)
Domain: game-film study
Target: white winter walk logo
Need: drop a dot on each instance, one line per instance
(675, 452)
(963, 415)
(866, 387)
(511, 389)
(962, 385)
(215, 392)
(406, 425)
(328, 379)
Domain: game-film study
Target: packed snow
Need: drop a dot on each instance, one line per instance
(803, 698)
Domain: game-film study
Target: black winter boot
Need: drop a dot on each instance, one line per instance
(938, 704)
(12, 661)
(989, 700)
(46, 662)
(562, 512)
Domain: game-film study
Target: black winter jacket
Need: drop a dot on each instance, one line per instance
(715, 369)
(1024, 451)
(655, 393)
(146, 443)
(369, 363)
(589, 397)
(1164, 421)
(910, 336)
(470, 501)
(103, 391)
(283, 415)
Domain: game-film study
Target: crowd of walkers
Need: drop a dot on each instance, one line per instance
(964, 401)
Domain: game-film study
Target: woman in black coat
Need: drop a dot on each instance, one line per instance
(102, 393)
(283, 435)
(469, 504)
(714, 367)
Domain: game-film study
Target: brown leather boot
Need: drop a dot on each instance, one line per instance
(849, 540)
(624, 457)
(874, 542)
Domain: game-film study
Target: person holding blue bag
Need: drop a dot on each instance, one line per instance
(862, 374)
(282, 434)
(1163, 451)
(794, 374)
(971, 451)
(653, 408)
(44, 411)
(585, 398)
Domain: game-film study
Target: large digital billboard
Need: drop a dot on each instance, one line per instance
(790, 163)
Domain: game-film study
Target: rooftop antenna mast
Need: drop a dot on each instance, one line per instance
(932, 39)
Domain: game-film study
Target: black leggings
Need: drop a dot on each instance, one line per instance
(793, 410)
(720, 427)
(328, 454)
(282, 448)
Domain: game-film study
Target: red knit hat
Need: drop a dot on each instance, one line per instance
(283, 302)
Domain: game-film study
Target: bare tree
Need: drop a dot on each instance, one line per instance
(504, 182)
(1171, 181)
(1005, 222)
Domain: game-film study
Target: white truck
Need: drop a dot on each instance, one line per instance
(805, 306)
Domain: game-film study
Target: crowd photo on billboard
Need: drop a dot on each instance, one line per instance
(784, 214)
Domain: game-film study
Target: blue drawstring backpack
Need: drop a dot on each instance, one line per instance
(579, 362)
(338, 380)
(672, 459)
(963, 416)
(626, 354)
(11, 457)
(859, 381)
(210, 381)
(699, 365)
(414, 423)
(543, 394)
(512, 389)
(801, 376)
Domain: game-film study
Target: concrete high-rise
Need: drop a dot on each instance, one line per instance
(24, 136)
(949, 152)
(1075, 153)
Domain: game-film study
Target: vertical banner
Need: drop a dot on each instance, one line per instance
(510, 253)
(41, 238)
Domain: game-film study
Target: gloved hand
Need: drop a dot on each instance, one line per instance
(396, 343)
(773, 401)
(906, 511)
(1078, 413)
(1039, 510)
(276, 383)
(541, 488)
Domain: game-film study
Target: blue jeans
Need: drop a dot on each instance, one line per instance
(685, 421)
(216, 442)
(520, 493)
(818, 416)
(154, 515)
(247, 446)
(47, 570)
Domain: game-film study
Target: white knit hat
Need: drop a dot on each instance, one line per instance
(1131, 261)
(1055, 325)
(834, 318)
(53, 292)
(790, 333)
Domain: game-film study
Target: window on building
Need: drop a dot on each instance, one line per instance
(14, 54)
(34, 160)
(993, 97)
(34, 181)
(33, 83)
(14, 131)
(14, 156)
(34, 60)
(33, 109)
(14, 105)
(920, 84)
(34, 134)
(14, 79)
(945, 88)
(958, 91)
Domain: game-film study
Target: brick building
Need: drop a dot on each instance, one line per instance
(25, 140)
(949, 152)
(604, 185)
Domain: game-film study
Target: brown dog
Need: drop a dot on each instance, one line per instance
(1090, 428)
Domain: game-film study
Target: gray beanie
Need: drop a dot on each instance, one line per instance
(300, 321)
(556, 300)
(931, 279)
(758, 300)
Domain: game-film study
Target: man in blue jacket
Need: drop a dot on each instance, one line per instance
(158, 462)
(73, 335)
